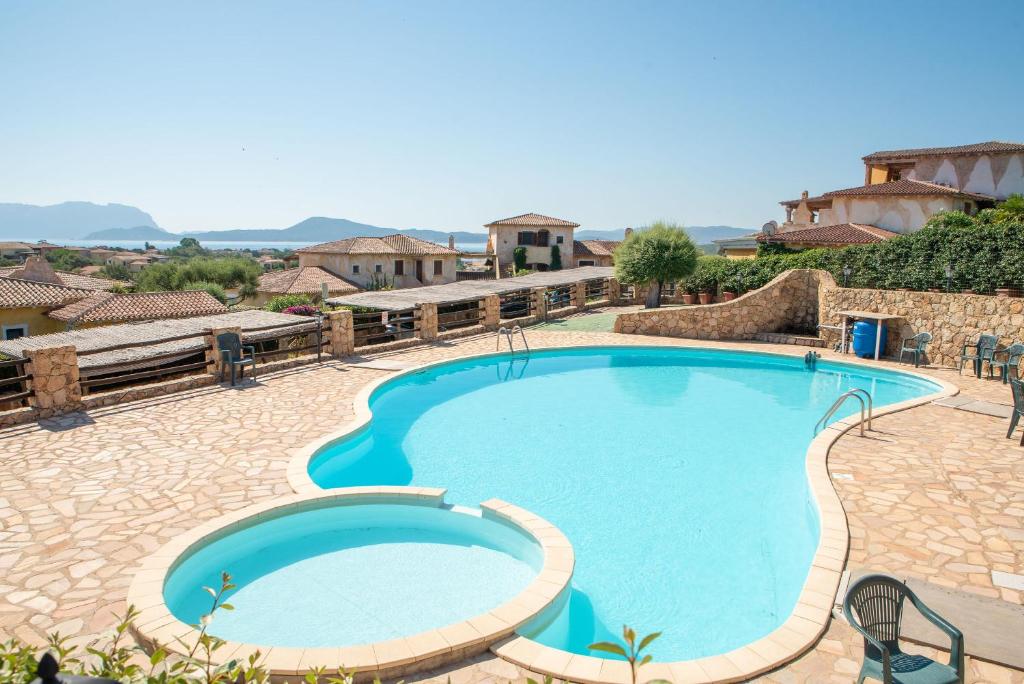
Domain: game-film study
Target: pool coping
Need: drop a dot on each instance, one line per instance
(813, 609)
(155, 626)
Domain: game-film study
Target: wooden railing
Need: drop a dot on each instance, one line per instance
(378, 327)
(460, 314)
(515, 304)
(559, 297)
(597, 289)
(14, 379)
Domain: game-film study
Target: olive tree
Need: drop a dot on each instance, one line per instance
(663, 253)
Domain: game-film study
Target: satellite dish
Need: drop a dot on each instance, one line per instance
(770, 228)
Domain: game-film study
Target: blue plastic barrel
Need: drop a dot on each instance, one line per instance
(864, 339)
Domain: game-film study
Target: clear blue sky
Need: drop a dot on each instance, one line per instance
(450, 114)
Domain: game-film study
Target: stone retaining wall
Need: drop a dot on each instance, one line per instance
(952, 319)
(788, 301)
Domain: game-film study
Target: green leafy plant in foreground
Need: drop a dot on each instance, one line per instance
(631, 650)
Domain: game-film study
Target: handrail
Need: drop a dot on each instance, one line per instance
(509, 335)
(857, 392)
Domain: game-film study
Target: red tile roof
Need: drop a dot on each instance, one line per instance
(597, 248)
(838, 234)
(85, 282)
(105, 307)
(304, 280)
(531, 219)
(993, 146)
(904, 187)
(18, 294)
(397, 244)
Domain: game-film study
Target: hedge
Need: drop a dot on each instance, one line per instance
(986, 253)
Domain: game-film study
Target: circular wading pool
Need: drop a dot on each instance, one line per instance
(371, 566)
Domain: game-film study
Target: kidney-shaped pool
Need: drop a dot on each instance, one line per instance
(678, 475)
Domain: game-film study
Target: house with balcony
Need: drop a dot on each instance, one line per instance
(537, 234)
(902, 190)
(393, 260)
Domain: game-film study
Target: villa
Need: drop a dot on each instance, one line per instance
(393, 260)
(902, 190)
(540, 236)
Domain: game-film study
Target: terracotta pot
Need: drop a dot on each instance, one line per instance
(689, 298)
(728, 296)
(705, 297)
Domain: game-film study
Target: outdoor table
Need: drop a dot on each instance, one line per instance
(880, 319)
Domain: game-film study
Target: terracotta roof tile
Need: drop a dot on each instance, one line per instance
(304, 280)
(86, 282)
(838, 234)
(904, 187)
(992, 146)
(597, 248)
(531, 219)
(17, 294)
(397, 244)
(104, 307)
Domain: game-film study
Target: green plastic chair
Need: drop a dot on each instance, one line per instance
(1005, 359)
(878, 603)
(232, 354)
(915, 346)
(1017, 388)
(984, 349)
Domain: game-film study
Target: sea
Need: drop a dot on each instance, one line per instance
(210, 244)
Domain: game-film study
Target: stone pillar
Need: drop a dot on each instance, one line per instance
(492, 311)
(341, 337)
(213, 356)
(539, 303)
(428, 322)
(579, 294)
(614, 291)
(55, 380)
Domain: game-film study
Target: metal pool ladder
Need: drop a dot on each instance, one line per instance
(510, 336)
(860, 395)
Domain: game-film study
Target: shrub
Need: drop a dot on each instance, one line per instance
(556, 258)
(301, 310)
(519, 258)
(213, 289)
(660, 254)
(282, 302)
(230, 272)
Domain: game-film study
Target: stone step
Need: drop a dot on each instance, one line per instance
(786, 338)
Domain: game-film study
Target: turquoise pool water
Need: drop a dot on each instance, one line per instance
(677, 474)
(354, 574)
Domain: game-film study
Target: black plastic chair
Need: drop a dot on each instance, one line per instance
(984, 350)
(878, 602)
(915, 346)
(232, 355)
(1017, 388)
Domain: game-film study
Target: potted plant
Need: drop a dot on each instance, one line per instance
(706, 296)
(732, 289)
(689, 294)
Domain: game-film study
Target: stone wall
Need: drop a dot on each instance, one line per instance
(55, 379)
(952, 319)
(788, 301)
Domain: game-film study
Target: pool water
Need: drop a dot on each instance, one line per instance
(677, 474)
(354, 574)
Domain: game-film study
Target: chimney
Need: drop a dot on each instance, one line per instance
(451, 242)
(803, 195)
(629, 231)
(38, 269)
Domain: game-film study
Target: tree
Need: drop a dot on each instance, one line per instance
(556, 258)
(189, 242)
(519, 258)
(116, 271)
(662, 253)
(66, 259)
(1012, 209)
(212, 289)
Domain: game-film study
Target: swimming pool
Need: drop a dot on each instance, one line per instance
(677, 475)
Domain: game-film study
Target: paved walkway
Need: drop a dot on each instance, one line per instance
(935, 493)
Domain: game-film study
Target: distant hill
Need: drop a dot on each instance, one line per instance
(68, 220)
(133, 233)
(701, 235)
(324, 229)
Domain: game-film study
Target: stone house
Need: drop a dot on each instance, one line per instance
(595, 252)
(304, 280)
(397, 260)
(537, 234)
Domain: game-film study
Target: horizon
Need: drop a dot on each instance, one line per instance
(444, 116)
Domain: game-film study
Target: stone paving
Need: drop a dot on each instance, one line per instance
(935, 493)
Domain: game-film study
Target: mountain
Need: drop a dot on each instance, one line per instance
(701, 235)
(69, 220)
(133, 233)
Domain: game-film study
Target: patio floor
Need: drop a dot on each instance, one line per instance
(933, 492)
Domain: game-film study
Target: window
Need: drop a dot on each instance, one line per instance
(559, 239)
(13, 332)
(399, 267)
(585, 263)
(438, 267)
(379, 268)
(355, 269)
(542, 238)
(527, 238)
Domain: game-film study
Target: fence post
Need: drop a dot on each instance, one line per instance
(614, 292)
(212, 354)
(55, 380)
(342, 336)
(579, 294)
(539, 303)
(428, 322)
(492, 311)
